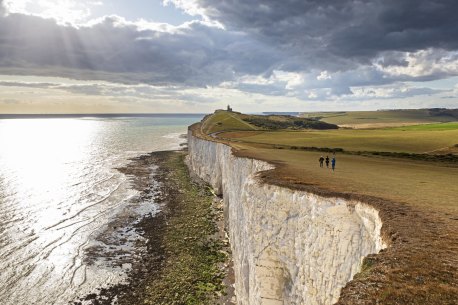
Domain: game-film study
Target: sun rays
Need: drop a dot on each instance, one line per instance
(63, 11)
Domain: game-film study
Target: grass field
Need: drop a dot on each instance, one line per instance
(411, 139)
(417, 199)
(393, 179)
(429, 127)
(227, 120)
(224, 120)
(385, 117)
(385, 177)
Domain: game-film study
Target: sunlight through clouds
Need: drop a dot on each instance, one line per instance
(294, 50)
(63, 11)
(191, 7)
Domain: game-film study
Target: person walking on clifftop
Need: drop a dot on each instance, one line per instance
(333, 163)
(321, 161)
(327, 161)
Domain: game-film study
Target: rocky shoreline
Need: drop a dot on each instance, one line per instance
(187, 258)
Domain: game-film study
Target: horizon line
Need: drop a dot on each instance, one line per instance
(103, 114)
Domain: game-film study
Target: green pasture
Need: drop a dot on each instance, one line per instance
(411, 139)
(392, 178)
(385, 116)
(418, 183)
(429, 127)
(225, 120)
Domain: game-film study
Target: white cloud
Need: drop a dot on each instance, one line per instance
(63, 11)
(191, 7)
(323, 75)
(391, 92)
(423, 63)
(17, 6)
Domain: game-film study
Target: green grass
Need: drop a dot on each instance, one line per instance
(418, 183)
(416, 200)
(414, 139)
(383, 175)
(224, 120)
(191, 273)
(277, 122)
(429, 127)
(385, 116)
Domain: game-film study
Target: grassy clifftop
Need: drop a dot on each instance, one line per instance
(231, 121)
(225, 120)
(416, 198)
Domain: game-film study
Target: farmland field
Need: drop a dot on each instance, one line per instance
(415, 196)
(386, 177)
(383, 118)
(411, 139)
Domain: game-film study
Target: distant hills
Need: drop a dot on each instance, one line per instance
(389, 117)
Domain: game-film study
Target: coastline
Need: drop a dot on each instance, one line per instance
(417, 267)
(396, 275)
(187, 257)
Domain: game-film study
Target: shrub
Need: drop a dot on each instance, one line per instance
(287, 122)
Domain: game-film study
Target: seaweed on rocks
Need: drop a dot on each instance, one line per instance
(184, 256)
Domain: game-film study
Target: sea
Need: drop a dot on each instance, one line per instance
(60, 189)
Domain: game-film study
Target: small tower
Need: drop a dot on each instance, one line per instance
(229, 108)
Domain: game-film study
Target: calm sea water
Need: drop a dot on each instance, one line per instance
(59, 190)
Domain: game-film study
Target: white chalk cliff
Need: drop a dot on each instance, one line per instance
(289, 247)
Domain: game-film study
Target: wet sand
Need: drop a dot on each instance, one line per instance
(176, 240)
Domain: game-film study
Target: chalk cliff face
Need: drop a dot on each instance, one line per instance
(289, 247)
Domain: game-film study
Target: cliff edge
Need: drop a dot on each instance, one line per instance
(289, 246)
(297, 242)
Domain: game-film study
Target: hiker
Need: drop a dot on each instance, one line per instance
(333, 163)
(321, 161)
(327, 161)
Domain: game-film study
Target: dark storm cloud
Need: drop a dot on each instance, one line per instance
(356, 42)
(393, 59)
(112, 49)
(339, 32)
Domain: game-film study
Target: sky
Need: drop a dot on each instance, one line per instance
(101, 56)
